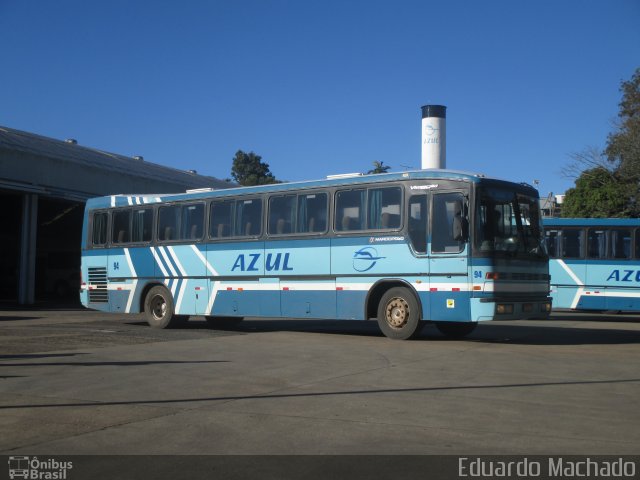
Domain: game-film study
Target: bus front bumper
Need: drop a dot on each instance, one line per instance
(510, 308)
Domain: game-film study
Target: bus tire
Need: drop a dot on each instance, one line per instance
(159, 309)
(399, 314)
(223, 322)
(456, 329)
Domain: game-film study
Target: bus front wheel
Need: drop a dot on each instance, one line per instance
(456, 329)
(399, 314)
(159, 309)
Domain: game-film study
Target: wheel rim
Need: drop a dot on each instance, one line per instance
(397, 312)
(158, 307)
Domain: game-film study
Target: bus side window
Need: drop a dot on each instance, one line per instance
(99, 236)
(384, 208)
(350, 205)
(168, 223)
(597, 243)
(572, 241)
(248, 218)
(551, 241)
(121, 231)
(620, 243)
(418, 221)
(312, 213)
(282, 211)
(192, 222)
(220, 219)
(141, 225)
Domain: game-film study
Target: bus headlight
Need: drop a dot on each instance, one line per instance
(504, 308)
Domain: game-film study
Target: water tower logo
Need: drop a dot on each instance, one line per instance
(431, 130)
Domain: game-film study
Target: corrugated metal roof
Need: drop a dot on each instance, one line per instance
(59, 149)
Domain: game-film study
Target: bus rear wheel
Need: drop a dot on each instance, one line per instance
(399, 314)
(159, 309)
(456, 329)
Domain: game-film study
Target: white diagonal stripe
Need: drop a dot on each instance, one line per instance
(166, 257)
(175, 258)
(159, 262)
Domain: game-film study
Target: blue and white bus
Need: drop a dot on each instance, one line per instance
(403, 248)
(594, 263)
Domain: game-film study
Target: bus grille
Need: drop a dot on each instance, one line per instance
(98, 292)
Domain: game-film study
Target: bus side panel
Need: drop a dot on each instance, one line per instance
(235, 286)
(449, 305)
(449, 299)
(613, 283)
(142, 267)
(123, 279)
(303, 267)
(359, 262)
(188, 269)
(568, 278)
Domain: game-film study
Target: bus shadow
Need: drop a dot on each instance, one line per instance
(596, 316)
(489, 332)
(13, 318)
(552, 335)
(495, 332)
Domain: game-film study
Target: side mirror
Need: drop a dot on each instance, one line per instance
(460, 229)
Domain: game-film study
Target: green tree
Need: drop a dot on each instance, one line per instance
(598, 194)
(379, 167)
(610, 183)
(249, 169)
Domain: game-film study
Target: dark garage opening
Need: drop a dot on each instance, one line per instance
(10, 215)
(59, 227)
(58, 251)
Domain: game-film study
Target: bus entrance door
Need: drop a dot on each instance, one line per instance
(449, 258)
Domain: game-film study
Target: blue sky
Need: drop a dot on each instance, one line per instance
(324, 87)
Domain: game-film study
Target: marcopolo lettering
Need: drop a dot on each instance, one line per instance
(624, 276)
(274, 262)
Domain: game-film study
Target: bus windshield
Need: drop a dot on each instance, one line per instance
(508, 223)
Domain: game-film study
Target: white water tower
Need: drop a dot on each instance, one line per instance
(434, 136)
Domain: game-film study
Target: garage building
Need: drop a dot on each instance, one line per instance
(44, 184)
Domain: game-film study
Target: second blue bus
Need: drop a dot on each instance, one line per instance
(594, 263)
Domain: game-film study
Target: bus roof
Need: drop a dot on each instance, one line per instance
(130, 199)
(590, 222)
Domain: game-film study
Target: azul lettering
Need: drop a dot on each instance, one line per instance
(274, 262)
(624, 276)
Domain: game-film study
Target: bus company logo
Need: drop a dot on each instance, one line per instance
(365, 259)
(33, 468)
(624, 276)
